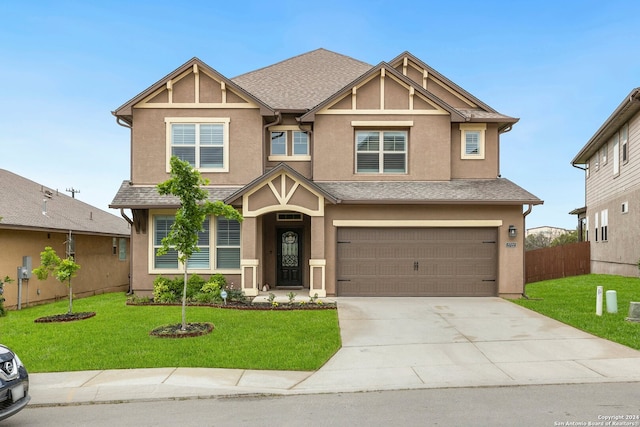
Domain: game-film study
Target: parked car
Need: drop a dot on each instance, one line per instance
(14, 383)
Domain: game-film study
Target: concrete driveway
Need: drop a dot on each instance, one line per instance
(404, 343)
(388, 344)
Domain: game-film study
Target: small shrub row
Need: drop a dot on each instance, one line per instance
(167, 290)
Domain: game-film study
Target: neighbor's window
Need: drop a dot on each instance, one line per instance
(604, 225)
(624, 142)
(203, 142)
(381, 151)
(122, 249)
(603, 154)
(615, 140)
(227, 243)
(472, 136)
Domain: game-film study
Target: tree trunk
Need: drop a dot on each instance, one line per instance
(70, 298)
(184, 300)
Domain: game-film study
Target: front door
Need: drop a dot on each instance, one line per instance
(289, 257)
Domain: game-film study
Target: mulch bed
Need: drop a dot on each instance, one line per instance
(68, 317)
(236, 305)
(175, 330)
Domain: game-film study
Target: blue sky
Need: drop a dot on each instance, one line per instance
(562, 67)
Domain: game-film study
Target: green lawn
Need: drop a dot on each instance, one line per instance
(118, 337)
(572, 300)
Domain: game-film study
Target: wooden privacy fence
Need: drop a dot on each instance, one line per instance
(559, 261)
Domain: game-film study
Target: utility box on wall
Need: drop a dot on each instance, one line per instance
(26, 267)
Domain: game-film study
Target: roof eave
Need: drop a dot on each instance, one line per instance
(629, 106)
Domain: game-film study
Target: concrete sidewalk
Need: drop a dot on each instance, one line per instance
(388, 344)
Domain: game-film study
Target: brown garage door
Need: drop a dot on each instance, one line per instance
(417, 261)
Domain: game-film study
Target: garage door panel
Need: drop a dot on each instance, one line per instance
(417, 262)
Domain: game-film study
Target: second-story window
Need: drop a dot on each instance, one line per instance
(300, 143)
(381, 152)
(203, 142)
(472, 140)
(278, 143)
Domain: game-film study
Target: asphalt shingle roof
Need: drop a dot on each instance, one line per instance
(147, 196)
(485, 191)
(29, 205)
(302, 82)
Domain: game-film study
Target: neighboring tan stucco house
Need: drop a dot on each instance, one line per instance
(352, 179)
(33, 216)
(611, 162)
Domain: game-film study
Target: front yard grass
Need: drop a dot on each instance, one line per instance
(572, 300)
(118, 337)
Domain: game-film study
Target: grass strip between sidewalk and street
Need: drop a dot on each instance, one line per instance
(572, 300)
(118, 337)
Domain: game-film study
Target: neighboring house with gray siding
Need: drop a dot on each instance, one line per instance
(353, 179)
(33, 216)
(611, 161)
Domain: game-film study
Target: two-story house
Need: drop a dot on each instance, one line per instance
(612, 185)
(352, 179)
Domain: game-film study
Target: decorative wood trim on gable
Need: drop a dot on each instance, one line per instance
(383, 76)
(282, 192)
(197, 72)
(427, 77)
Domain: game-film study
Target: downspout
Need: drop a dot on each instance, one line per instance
(524, 258)
(129, 126)
(264, 141)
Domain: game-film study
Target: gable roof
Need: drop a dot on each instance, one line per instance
(627, 109)
(125, 110)
(456, 116)
(275, 171)
(302, 82)
(25, 204)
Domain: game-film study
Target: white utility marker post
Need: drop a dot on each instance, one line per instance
(599, 301)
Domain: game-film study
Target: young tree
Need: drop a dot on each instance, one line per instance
(7, 279)
(62, 269)
(185, 183)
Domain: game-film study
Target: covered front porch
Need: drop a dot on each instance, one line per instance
(283, 242)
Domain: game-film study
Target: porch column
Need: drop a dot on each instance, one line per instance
(317, 262)
(249, 261)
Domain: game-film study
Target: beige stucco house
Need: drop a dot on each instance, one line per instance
(353, 179)
(33, 216)
(611, 166)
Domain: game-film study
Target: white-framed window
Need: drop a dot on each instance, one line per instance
(300, 143)
(624, 142)
(604, 225)
(472, 140)
(288, 144)
(381, 151)
(625, 207)
(615, 140)
(586, 228)
(279, 143)
(227, 244)
(201, 141)
(603, 154)
(595, 225)
(200, 260)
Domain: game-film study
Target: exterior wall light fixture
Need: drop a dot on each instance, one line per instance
(513, 231)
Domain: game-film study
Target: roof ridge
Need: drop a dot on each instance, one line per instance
(320, 49)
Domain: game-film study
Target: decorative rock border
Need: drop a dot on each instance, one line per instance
(67, 317)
